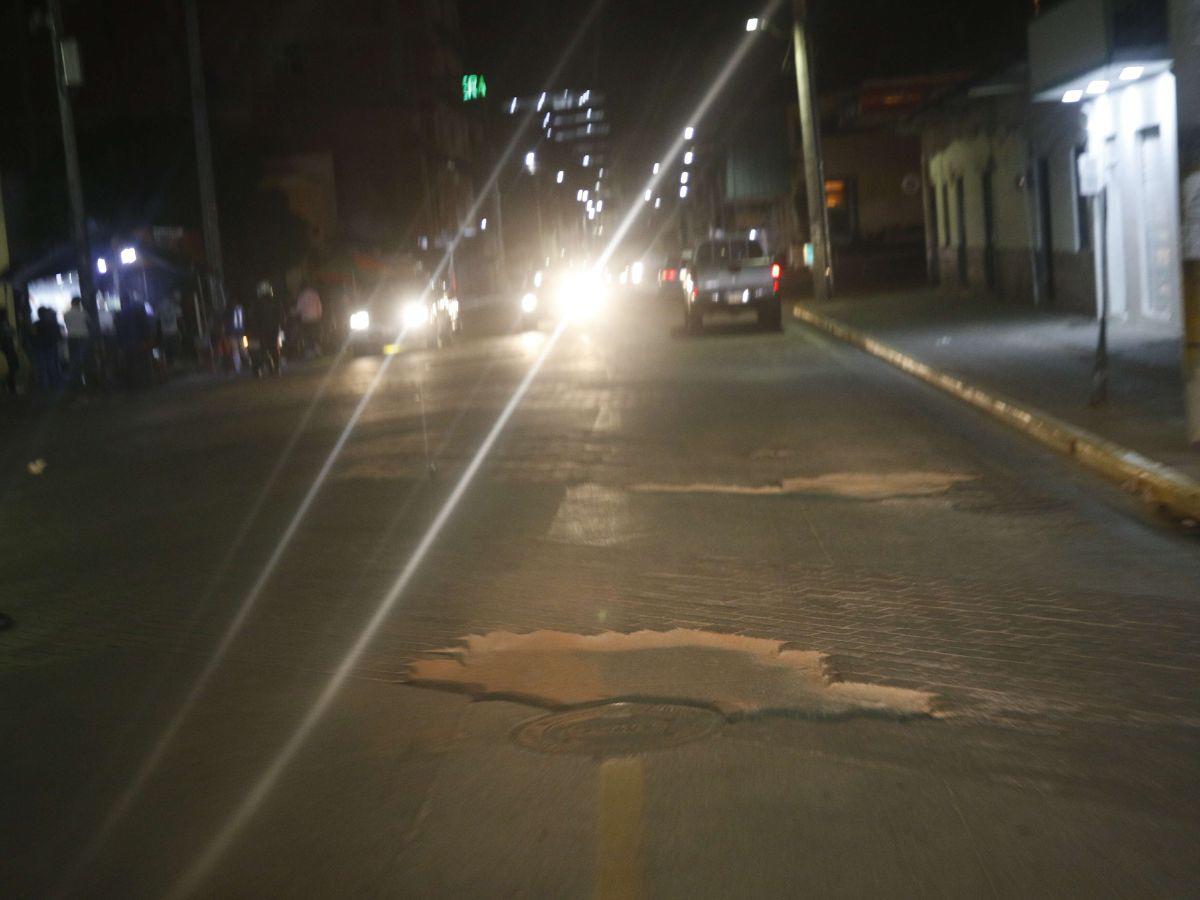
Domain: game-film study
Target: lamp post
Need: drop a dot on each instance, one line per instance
(64, 52)
(810, 128)
(814, 167)
(204, 163)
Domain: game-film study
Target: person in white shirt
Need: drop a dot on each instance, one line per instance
(79, 340)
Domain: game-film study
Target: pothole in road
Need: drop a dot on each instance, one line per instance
(617, 729)
(731, 675)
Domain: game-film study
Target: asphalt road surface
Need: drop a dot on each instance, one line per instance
(173, 721)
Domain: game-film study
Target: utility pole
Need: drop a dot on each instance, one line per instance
(204, 165)
(814, 169)
(1185, 39)
(64, 53)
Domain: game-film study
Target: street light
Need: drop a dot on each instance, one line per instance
(752, 24)
(560, 176)
(688, 157)
(531, 162)
(128, 256)
(689, 133)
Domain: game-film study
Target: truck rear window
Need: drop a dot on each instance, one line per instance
(727, 251)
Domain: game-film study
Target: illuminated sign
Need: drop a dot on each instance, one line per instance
(474, 87)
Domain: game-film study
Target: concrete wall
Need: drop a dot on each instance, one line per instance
(878, 163)
(1003, 139)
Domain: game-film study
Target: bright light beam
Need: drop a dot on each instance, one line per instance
(706, 102)
(150, 764)
(226, 835)
(194, 876)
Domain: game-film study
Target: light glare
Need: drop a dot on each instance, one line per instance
(1097, 87)
(1132, 73)
(1072, 96)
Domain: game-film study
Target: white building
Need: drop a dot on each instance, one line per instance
(1011, 163)
(1110, 60)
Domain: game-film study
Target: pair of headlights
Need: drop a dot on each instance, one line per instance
(413, 315)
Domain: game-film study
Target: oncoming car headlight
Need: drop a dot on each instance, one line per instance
(415, 314)
(529, 303)
(582, 295)
(360, 321)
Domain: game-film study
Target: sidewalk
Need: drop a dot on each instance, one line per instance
(1039, 359)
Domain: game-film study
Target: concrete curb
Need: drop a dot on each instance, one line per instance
(1152, 481)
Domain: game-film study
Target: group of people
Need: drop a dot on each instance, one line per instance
(138, 343)
(133, 346)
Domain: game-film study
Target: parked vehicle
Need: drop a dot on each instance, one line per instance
(732, 275)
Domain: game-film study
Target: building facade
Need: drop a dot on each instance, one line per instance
(1056, 184)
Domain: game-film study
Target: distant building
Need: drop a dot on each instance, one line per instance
(873, 183)
(369, 94)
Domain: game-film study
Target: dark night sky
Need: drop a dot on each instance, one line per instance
(653, 59)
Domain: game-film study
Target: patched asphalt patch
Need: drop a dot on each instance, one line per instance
(733, 675)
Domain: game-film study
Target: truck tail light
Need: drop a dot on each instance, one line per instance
(669, 274)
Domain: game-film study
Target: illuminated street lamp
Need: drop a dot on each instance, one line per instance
(128, 256)
(531, 162)
(752, 24)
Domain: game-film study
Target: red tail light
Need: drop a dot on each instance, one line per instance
(776, 271)
(670, 274)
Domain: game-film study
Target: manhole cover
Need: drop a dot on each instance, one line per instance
(617, 729)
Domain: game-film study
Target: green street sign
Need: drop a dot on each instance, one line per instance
(474, 87)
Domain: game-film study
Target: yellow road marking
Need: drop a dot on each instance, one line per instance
(619, 862)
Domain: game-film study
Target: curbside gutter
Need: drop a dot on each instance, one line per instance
(1152, 481)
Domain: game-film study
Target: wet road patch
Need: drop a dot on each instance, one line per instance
(733, 675)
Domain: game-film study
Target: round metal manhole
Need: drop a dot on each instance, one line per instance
(617, 729)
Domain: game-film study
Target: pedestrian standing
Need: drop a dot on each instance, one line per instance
(266, 317)
(80, 329)
(8, 349)
(308, 308)
(169, 312)
(235, 333)
(45, 341)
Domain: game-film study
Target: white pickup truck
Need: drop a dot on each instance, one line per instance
(731, 275)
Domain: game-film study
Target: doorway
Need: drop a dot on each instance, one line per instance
(989, 230)
(960, 204)
(1158, 250)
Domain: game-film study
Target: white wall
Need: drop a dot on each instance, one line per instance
(1133, 130)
